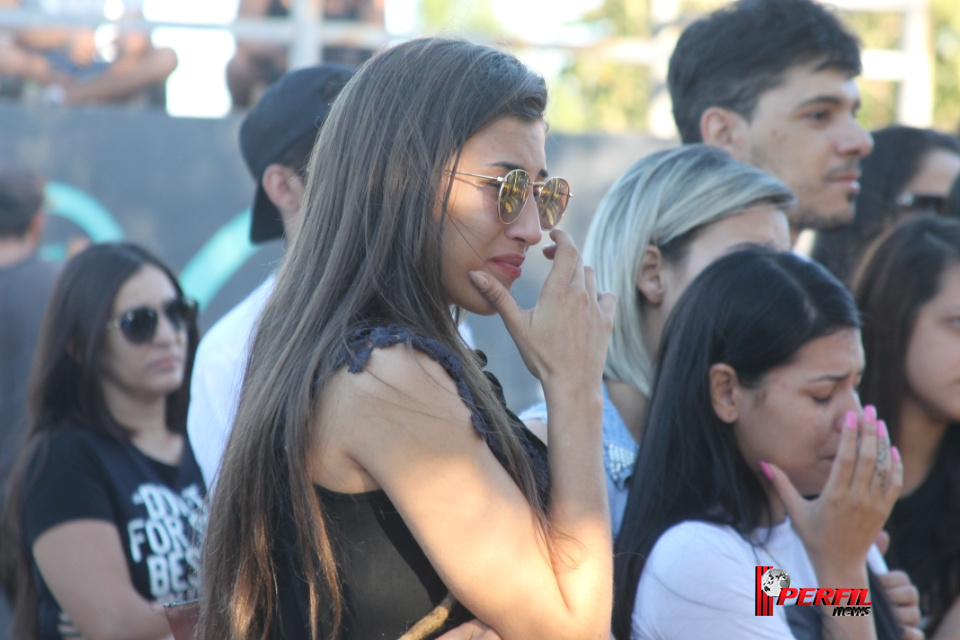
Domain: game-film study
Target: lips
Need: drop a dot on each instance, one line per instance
(508, 263)
(166, 363)
(846, 178)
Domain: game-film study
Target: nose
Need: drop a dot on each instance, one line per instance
(167, 333)
(856, 141)
(526, 227)
(851, 402)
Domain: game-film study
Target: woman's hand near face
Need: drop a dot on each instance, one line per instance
(563, 339)
(839, 526)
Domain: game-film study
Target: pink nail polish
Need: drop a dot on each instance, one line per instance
(881, 428)
(850, 420)
(767, 471)
(895, 454)
(870, 413)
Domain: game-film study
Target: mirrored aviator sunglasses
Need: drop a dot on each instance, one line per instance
(139, 325)
(552, 196)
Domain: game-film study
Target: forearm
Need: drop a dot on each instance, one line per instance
(845, 627)
(579, 512)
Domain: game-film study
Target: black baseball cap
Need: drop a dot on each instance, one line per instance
(293, 107)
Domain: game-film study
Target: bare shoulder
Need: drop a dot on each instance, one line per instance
(401, 405)
(398, 377)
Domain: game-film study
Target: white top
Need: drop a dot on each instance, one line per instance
(700, 582)
(217, 378)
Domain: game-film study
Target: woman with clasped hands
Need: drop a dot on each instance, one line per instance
(373, 474)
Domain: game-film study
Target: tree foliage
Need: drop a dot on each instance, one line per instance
(593, 93)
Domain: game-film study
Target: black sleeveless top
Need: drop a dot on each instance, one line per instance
(387, 581)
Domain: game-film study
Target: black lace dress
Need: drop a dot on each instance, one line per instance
(388, 583)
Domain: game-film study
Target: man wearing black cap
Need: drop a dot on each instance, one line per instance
(276, 138)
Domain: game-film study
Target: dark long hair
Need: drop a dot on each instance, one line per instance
(368, 253)
(897, 155)
(904, 272)
(752, 310)
(66, 390)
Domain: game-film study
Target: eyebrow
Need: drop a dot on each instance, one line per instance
(828, 99)
(840, 377)
(509, 166)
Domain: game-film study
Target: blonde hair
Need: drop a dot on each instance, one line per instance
(659, 200)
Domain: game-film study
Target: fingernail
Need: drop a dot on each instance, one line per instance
(895, 454)
(850, 420)
(881, 428)
(870, 413)
(480, 279)
(767, 471)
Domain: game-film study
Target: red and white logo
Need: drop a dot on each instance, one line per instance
(773, 586)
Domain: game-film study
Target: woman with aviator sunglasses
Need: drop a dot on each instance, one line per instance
(374, 484)
(106, 494)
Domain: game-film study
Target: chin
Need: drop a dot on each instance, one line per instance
(480, 308)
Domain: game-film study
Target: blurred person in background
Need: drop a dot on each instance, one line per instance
(257, 65)
(76, 69)
(908, 292)
(276, 138)
(910, 171)
(25, 285)
(773, 83)
(105, 498)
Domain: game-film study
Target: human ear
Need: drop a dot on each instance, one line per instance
(725, 392)
(35, 230)
(650, 276)
(721, 128)
(276, 183)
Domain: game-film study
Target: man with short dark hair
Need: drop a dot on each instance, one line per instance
(25, 285)
(773, 83)
(276, 138)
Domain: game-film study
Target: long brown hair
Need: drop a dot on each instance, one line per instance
(368, 253)
(902, 273)
(66, 390)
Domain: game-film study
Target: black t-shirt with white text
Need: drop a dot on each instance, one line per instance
(81, 475)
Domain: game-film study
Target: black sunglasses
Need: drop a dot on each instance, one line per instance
(139, 325)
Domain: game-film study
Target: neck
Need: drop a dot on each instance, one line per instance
(14, 250)
(778, 513)
(630, 404)
(144, 415)
(918, 440)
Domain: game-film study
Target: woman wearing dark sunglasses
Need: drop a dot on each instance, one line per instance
(106, 495)
(374, 484)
